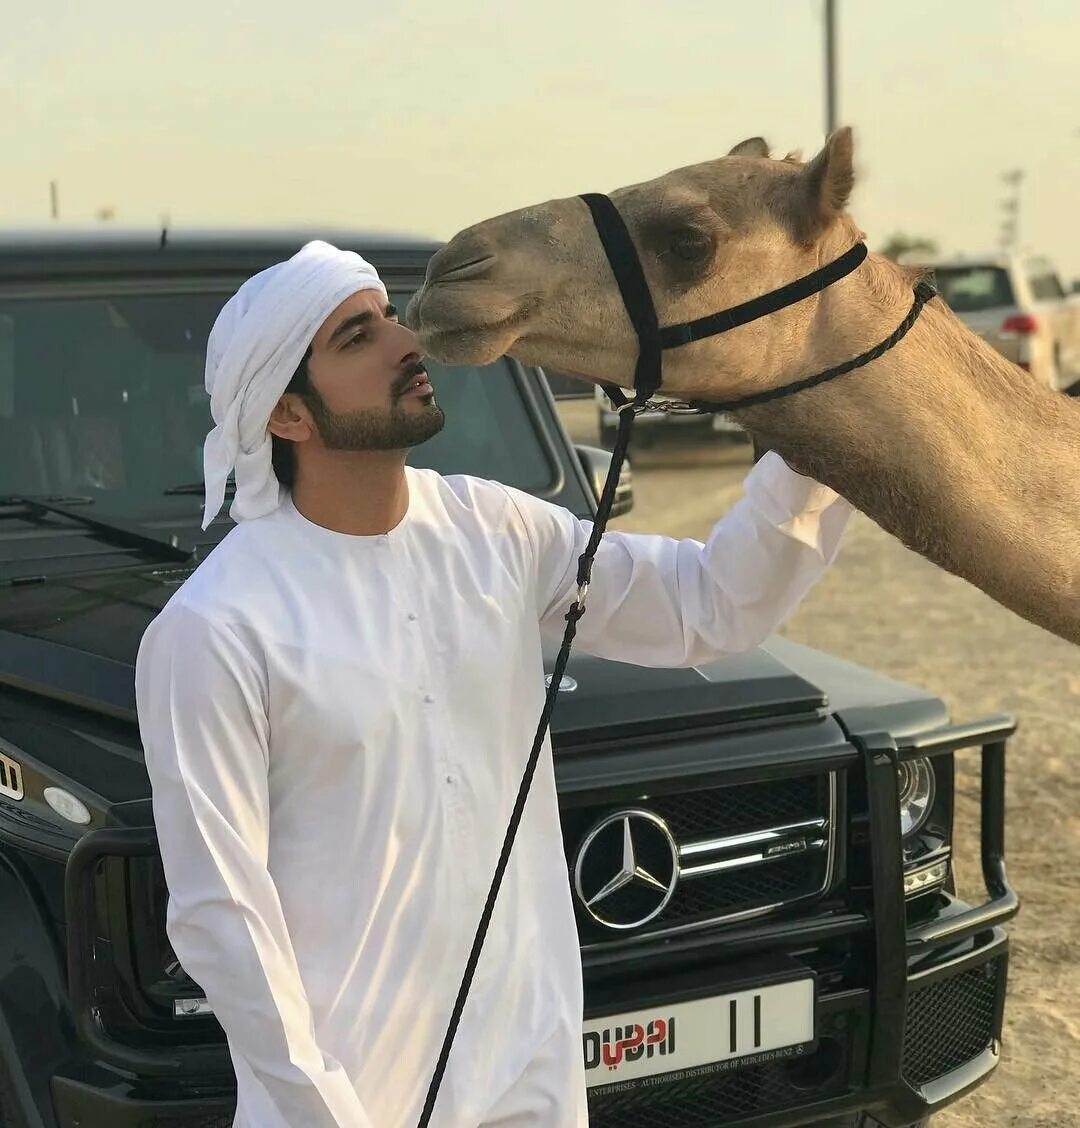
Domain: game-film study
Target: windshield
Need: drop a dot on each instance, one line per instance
(969, 289)
(103, 397)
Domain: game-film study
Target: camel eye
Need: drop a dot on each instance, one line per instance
(690, 245)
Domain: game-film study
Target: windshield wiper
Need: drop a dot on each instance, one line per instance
(58, 499)
(116, 530)
(197, 488)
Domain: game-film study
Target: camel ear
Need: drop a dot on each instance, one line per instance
(826, 184)
(751, 147)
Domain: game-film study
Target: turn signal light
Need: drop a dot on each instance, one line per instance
(925, 878)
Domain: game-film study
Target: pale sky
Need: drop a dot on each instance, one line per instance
(428, 115)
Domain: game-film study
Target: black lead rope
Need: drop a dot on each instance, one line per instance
(652, 341)
(577, 609)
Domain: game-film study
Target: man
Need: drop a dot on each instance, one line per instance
(338, 705)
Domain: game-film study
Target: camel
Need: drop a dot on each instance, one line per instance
(949, 447)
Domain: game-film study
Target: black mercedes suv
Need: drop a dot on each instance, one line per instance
(802, 956)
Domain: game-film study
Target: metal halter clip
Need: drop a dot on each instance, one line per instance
(670, 407)
(582, 592)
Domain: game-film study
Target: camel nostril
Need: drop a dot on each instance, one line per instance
(465, 256)
(472, 267)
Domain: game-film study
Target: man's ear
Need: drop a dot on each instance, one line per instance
(290, 419)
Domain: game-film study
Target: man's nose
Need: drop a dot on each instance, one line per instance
(407, 339)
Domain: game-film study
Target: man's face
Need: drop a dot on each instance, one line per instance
(371, 387)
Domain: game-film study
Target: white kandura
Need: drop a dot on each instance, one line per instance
(335, 730)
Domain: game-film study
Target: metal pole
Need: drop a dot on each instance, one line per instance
(54, 199)
(830, 66)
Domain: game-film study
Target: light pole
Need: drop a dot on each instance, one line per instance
(1010, 227)
(830, 66)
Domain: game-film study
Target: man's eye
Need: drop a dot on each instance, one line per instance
(357, 338)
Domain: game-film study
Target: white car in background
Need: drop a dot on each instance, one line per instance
(1019, 306)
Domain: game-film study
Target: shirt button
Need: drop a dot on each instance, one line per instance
(449, 779)
(412, 617)
(428, 699)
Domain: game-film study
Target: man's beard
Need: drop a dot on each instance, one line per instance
(376, 429)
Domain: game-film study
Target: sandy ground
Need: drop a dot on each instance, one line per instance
(885, 608)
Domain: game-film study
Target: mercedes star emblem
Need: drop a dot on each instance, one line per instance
(627, 868)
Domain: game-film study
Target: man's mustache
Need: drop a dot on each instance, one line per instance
(412, 371)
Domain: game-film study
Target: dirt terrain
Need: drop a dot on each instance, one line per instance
(885, 608)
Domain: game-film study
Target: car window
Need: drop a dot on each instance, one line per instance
(968, 289)
(1046, 288)
(104, 396)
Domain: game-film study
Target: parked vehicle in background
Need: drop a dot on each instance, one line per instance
(652, 423)
(564, 386)
(1020, 307)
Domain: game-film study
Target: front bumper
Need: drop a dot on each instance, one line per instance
(908, 1019)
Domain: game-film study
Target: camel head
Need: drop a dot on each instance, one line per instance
(535, 284)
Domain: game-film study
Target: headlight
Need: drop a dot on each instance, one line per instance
(917, 790)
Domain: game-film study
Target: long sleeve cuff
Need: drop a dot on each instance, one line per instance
(790, 501)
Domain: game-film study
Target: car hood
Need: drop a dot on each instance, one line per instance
(70, 646)
(76, 639)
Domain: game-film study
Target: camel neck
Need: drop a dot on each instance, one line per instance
(946, 445)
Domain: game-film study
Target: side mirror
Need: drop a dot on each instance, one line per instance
(596, 463)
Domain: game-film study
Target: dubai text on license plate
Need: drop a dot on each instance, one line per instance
(669, 1043)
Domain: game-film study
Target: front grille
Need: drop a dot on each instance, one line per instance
(188, 1120)
(744, 889)
(713, 1099)
(732, 810)
(704, 815)
(950, 1022)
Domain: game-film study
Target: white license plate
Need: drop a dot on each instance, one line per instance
(700, 1036)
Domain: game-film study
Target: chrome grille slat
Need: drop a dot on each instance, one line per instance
(754, 838)
(746, 861)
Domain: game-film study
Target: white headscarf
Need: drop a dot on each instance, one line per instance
(255, 346)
